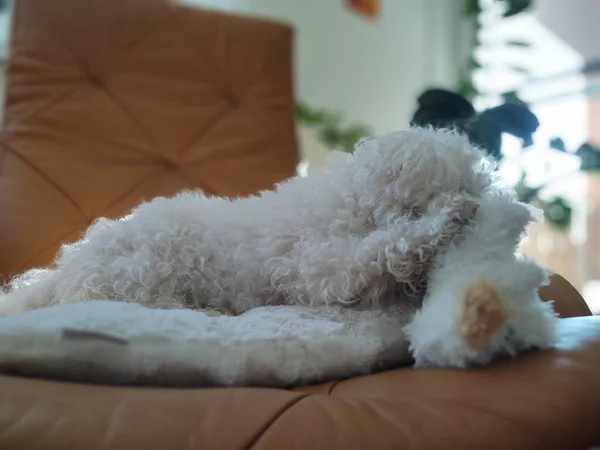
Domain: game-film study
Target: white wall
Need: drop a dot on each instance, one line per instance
(574, 21)
(371, 71)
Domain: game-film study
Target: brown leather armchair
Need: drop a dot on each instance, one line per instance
(113, 101)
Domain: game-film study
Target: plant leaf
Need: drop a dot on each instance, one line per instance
(471, 7)
(517, 43)
(438, 107)
(486, 134)
(307, 115)
(467, 88)
(515, 7)
(558, 212)
(590, 157)
(327, 125)
(451, 100)
(351, 135)
(520, 69)
(558, 144)
(473, 64)
(525, 193)
(514, 119)
(513, 97)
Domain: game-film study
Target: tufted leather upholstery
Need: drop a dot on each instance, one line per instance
(111, 101)
(114, 101)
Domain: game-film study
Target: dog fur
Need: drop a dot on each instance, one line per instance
(412, 220)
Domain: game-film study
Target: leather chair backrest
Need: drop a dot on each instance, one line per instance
(112, 102)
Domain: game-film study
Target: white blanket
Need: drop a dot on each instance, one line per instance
(124, 343)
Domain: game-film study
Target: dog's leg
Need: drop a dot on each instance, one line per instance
(482, 300)
(473, 315)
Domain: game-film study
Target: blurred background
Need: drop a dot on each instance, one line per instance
(361, 65)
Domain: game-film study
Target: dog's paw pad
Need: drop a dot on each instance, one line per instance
(483, 313)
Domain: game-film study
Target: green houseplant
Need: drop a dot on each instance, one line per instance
(442, 108)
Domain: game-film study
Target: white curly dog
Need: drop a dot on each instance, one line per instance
(412, 221)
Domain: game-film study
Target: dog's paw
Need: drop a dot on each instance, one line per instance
(461, 328)
(482, 314)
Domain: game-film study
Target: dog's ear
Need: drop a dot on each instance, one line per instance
(505, 219)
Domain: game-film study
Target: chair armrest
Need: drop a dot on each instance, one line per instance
(568, 302)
